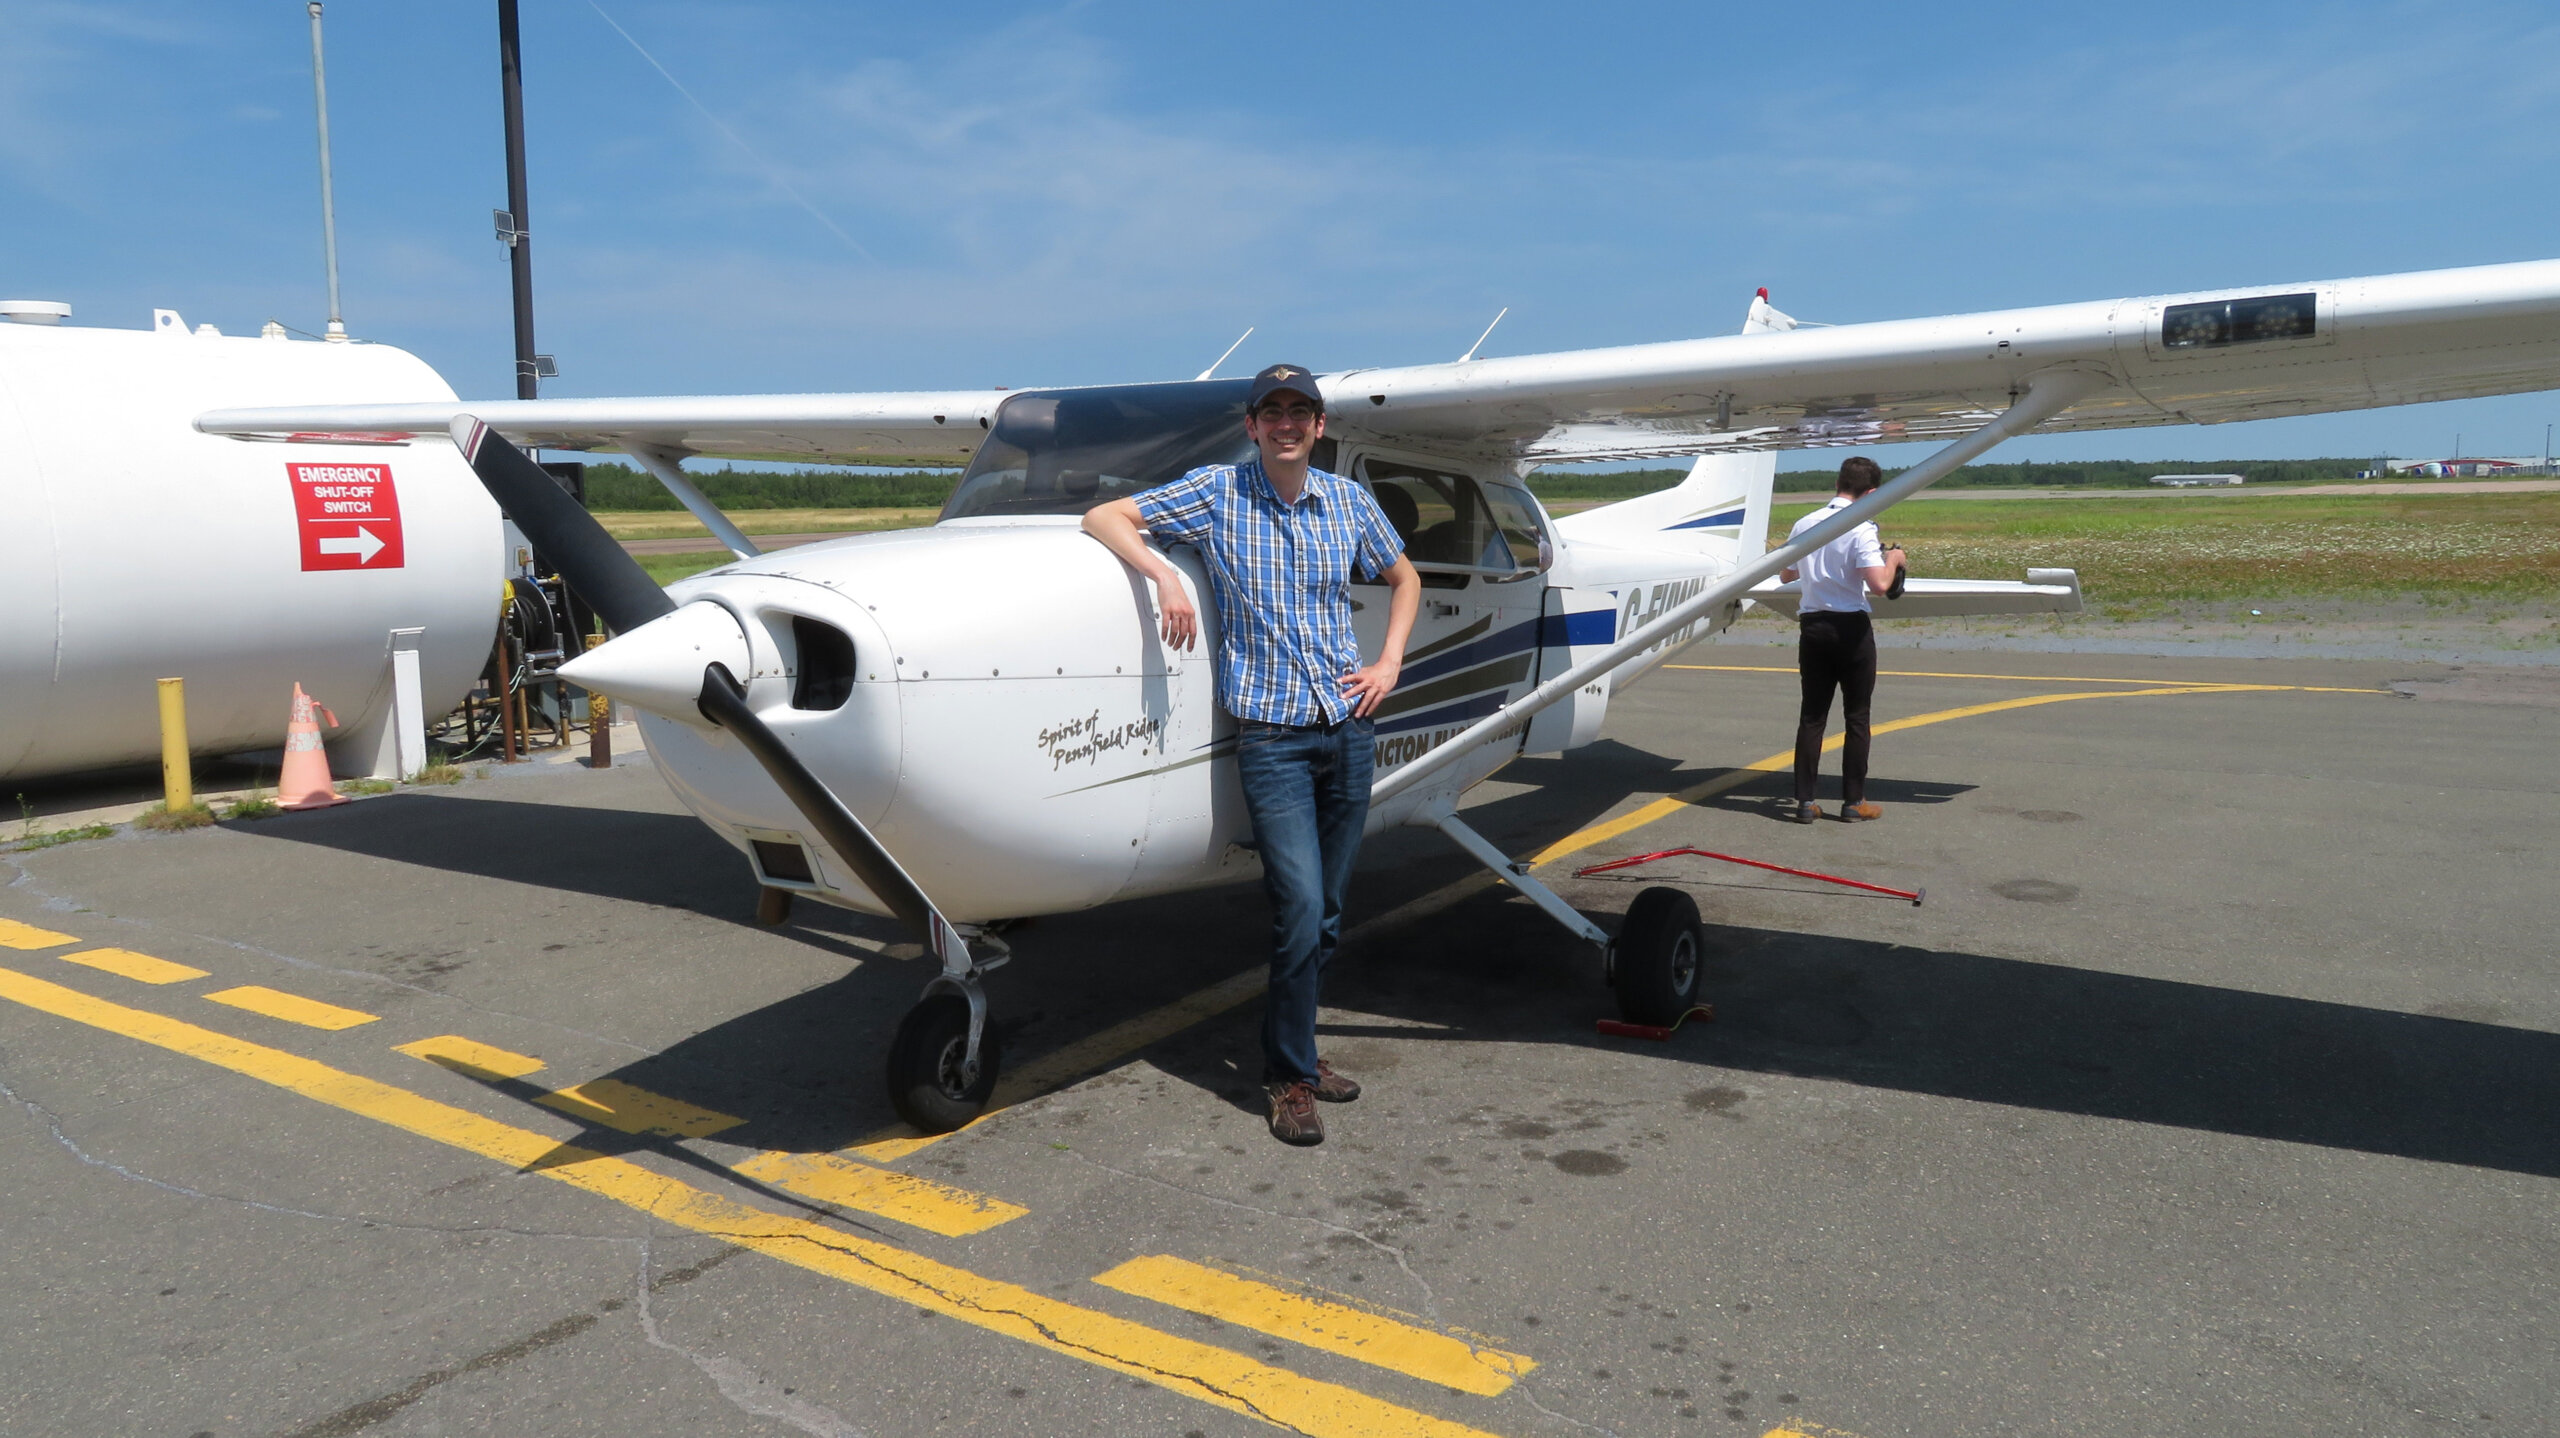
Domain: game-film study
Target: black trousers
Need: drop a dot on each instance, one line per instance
(1834, 651)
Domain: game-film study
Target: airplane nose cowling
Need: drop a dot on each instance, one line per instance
(658, 666)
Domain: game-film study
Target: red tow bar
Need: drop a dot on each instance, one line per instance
(1914, 895)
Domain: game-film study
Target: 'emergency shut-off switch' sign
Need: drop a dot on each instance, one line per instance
(350, 516)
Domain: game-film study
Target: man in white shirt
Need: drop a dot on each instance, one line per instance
(1836, 642)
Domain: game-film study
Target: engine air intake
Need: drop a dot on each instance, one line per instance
(825, 677)
(788, 863)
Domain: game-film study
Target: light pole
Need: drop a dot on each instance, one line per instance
(513, 231)
(337, 332)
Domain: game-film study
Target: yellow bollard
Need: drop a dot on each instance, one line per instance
(599, 722)
(176, 772)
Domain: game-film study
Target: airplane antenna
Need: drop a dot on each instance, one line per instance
(1480, 339)
(328, 204)
(1222, 359)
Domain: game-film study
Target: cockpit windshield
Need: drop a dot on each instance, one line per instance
(1065, 451)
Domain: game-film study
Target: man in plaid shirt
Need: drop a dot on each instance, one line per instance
(1283, 542)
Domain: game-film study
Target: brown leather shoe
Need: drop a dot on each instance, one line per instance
(1333, 1087)
(1294, 1119)
(1806, 812)
(1852, 813)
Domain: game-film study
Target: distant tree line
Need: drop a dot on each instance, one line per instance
(619, 486)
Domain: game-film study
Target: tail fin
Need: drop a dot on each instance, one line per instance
(1722, 509)
(1766, 318)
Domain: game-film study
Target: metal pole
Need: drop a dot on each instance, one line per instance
(520, 242)
(328, 202)
(506, 679)
(177, 773)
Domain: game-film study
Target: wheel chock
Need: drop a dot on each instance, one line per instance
(1621, 1029)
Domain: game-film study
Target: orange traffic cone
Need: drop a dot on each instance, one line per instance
(305, 783)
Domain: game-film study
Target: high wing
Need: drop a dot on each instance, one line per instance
(921, 427)
(2202, 358)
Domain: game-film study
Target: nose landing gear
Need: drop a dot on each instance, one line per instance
(934, 1081)
(944, 1061)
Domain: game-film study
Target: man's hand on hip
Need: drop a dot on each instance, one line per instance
(1366, 687)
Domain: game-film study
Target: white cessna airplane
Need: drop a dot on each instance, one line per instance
(978, 721)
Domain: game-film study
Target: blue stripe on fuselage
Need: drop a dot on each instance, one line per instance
(1464, 711)
(1729, 516)
(1597, 626)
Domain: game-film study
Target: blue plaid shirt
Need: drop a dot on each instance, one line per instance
(1278, 572)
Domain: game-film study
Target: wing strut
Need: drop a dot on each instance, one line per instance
(662, 463)
(2046, 395)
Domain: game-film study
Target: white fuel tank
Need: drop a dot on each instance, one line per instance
(134, 548)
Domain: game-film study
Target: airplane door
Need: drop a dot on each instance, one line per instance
(1479, 548)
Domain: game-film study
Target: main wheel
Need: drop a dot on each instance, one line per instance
(1658, 952)
(925, 1060)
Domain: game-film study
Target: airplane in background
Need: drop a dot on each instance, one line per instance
(979, 721)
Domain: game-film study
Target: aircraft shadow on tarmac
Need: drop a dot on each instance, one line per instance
(803, 1071)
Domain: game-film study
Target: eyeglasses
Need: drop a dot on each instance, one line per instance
(1294, 413)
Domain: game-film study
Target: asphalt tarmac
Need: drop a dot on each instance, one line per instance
(2211, 1090)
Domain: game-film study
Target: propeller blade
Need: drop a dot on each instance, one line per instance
(724, 702)
(599, 569)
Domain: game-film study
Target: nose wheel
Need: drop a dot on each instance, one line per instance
(935, 1083)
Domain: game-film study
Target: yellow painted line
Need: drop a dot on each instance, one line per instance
(1095, 1051)
(292, 1008)
(1099, 1050)
(1332, 1324)
(933, 1207)
(2020, 678)
(141, 968)
(15, 935)
(1196, 1370)
(632, 1109)
(471, 1059)
(1785, 759)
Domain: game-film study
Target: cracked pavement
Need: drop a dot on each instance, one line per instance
(2210, 1088)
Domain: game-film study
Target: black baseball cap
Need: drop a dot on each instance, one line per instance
(1295, 378)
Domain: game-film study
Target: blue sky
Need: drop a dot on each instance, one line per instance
(970, 194)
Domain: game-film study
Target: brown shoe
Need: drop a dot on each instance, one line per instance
(1294, 1119)
(1333, 1087)
(1806, 812)
(1852, 813)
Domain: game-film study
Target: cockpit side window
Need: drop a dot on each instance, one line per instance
(1451, 522)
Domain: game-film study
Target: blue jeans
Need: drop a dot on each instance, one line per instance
(1307, 790)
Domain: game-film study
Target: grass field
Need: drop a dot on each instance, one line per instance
(2133, 553)
(676, 524)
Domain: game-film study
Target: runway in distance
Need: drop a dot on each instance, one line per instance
(978, 721)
